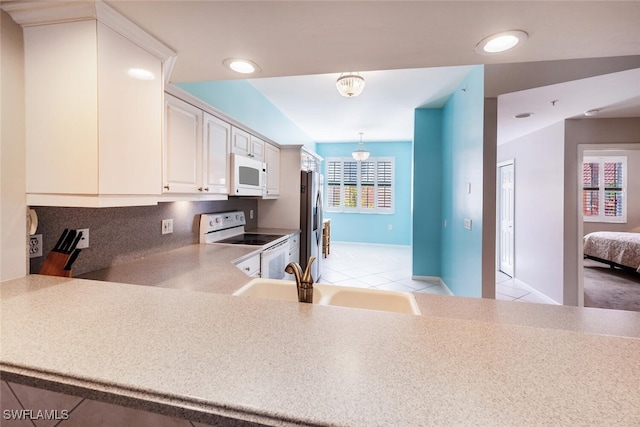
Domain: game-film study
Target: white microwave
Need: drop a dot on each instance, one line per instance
(248, 176)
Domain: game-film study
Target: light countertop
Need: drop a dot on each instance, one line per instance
(205, 355)
(209, 268)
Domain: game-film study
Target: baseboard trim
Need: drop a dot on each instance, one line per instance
(536, 292)
(434, 279)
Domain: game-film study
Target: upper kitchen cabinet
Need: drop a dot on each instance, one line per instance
(217, 141)
(182, 147)
(272, 159)
(245, 144)
(196, 151)
(93, 108)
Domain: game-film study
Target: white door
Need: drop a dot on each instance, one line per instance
(507, 209)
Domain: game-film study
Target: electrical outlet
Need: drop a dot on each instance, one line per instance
(167, 226)
(250, 213)
(84, 241)
(35, 246)
(390, 226)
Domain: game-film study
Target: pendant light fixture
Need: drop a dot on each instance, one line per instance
(361, 153)
(350, 84)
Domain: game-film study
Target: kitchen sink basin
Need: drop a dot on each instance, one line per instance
(324, 294)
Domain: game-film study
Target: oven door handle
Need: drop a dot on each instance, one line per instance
(276, 246)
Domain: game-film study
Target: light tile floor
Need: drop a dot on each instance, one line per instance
(374, 266)
(507, 289)
(389, 267)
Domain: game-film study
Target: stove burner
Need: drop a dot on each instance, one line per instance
(250, 239)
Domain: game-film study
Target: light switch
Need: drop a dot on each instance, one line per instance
(467, 223)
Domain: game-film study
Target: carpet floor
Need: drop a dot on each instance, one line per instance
(615, 289)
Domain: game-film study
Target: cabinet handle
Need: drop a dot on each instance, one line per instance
(199, 188)
(206, 189)
(166, 187)
(247, 268)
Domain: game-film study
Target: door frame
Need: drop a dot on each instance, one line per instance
(509, 162)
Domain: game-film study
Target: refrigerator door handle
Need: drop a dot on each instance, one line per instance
(319, 218)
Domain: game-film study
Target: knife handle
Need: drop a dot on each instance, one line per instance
(60, 240)
(75, 242)
(72, 259)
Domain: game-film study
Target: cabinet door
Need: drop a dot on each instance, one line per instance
(240, 142)
(130, 116)
(257, 148)
(182, 147)
(272, 159)
(217, 140)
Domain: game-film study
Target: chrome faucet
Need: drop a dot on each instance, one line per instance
(304, 281)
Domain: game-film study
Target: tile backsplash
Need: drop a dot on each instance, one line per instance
(118, 235)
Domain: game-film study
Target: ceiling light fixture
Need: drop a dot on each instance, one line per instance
(361, 153)
(350, 84)
(523, 115)
(501, 42)
(592, 113)
(243, 66)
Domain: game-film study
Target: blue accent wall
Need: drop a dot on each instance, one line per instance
(462, 158)
(240, 100)
(459, 161)
(427, 193)
(374, 228)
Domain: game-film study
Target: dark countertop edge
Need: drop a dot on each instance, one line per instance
(171, 406)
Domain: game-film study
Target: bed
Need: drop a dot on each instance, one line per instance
(614, 248)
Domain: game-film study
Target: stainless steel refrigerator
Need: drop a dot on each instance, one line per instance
(311, 222)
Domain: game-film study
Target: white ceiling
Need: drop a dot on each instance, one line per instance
(311, 39)
(615, 95)
(383, 112)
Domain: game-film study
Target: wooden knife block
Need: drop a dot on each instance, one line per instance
(54, 265)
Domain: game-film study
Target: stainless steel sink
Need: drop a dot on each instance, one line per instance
(336, 295)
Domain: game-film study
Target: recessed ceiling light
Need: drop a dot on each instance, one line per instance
(592, 113)
(523, 115)
(501, 42)
(243, 66)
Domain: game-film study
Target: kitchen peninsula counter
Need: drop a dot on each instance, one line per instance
(209, 268)
(210, 358)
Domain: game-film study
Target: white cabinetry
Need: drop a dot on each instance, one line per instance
(182, 146)
(245, 144)
(93, 131)
(196, 150)
(217, 139)
(272, 159)
(250, 266)
(294, 253)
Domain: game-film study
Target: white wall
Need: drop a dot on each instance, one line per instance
(539, 201)
(632, 195)
(13, 234)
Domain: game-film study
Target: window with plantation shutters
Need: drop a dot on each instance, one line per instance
(365, 186)
(604, 189)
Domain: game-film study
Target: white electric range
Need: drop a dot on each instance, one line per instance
(228, 228)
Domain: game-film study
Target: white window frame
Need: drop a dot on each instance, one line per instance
(359, 209)
(601, 189)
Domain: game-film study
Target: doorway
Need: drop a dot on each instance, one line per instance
(506, 223)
